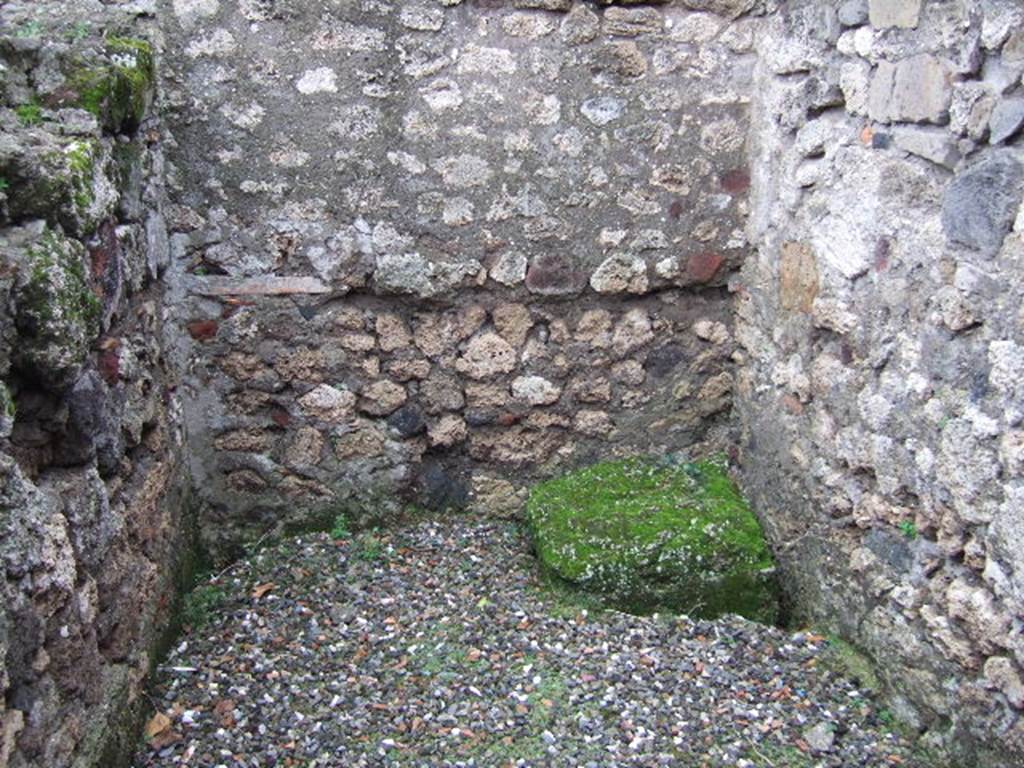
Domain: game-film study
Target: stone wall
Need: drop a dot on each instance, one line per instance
(91, 483)
(880, 391)
(434, 250)
(431, 251)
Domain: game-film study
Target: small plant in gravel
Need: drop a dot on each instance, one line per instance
(651, 534)
(371, 547)
(908, 529)
(4, 184)
(340, 530)
(201, 604)
(772, 755)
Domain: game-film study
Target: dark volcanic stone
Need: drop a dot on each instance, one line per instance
(662, 360)
(479, 418)
(890, 548)
(554, 275)
(982, 200)
(441, 489)
(408, 421)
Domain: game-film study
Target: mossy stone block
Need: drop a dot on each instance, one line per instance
(58, 315)
(118, 88)
(651, 534)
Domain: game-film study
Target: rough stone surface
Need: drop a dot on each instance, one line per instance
(380, 216)
(894, 13)
(93, 534)
(1006, 120)
(535, 390)
(916, 89)
(879, 322)
(980, 204)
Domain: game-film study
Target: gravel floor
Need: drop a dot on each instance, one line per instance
(435, 645)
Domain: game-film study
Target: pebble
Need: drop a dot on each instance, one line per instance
(440, 646)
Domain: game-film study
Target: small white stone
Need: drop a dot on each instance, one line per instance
(510, 268)
(320, 80)
(536, 390)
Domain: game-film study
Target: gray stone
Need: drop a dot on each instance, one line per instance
(510, 268)
(602, 110)
(94, 424)
(442, 489)
(853, 13)
(535, 390)
(408, 421)
(547, 5)
(820, 738)
(895, 13)
(936, 145)
(1006, 119)
(729, 8)
(415, 274)
(916, 89)
(620, 273)
(981, 203)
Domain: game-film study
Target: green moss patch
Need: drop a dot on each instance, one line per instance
(29, 114)
(118, 91)
(651, 534)
(81, 162)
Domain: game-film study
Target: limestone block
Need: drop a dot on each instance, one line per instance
(442, 393)
(593, 423)
(392, 331)
(633, 331)
(633, 22)
(580, 26)
(984, 620)
(894, 13)
(917, 90)
(546, 5)
(1003, 675)
(305, 449)
(729, 8)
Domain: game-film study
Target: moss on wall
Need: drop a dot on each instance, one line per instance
(58, 313)
(117, 92)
